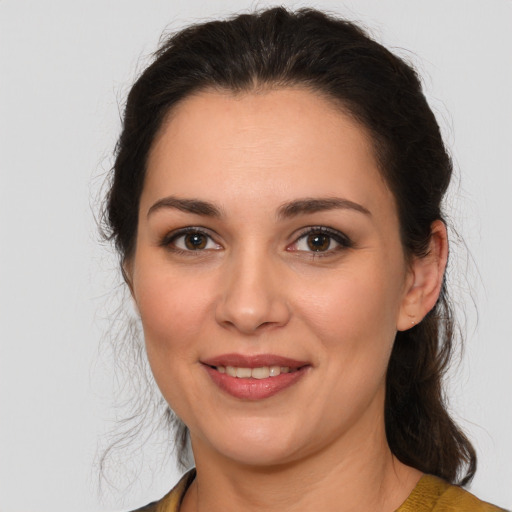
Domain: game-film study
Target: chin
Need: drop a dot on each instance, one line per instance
(257, 455)
(264, 445)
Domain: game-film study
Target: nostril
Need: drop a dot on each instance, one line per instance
(251, 303)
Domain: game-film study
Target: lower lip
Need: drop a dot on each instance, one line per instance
(254, 389)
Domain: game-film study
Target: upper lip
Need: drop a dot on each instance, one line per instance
(254, 361)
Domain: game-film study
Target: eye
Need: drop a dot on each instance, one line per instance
(321, 240)
(190, 239)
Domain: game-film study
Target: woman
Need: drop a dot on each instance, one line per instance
(276, 206)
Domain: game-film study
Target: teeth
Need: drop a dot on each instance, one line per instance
(275, 370)
(262, 372)
(243, 373)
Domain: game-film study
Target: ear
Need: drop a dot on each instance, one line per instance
(424, 280)
(127, 272)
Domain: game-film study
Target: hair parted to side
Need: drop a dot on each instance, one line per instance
(335, 58)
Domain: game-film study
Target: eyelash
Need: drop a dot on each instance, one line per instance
(169, 240)
(343, 241)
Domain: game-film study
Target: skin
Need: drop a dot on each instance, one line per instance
(257, 288)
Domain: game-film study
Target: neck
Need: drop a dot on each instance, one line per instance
(346, 476)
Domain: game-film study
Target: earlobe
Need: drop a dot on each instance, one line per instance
(425, 279)
(126, 271)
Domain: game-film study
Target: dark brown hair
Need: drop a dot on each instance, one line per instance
(336, 58)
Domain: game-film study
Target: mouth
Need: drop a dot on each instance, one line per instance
(262, 372)
(254, 377)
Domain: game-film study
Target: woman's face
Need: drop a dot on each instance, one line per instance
(269, 275)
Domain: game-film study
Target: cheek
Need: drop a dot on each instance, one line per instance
(354, 319)
(350, 306)
(173, 315)
(173, 309)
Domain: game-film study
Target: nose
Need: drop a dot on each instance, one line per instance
(253, 297)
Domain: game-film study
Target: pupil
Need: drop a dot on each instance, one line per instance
(318, 242)
(195, 241)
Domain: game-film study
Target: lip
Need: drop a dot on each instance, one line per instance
(254, 361)
(254, 389)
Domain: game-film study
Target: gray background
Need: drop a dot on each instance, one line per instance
(64, 65)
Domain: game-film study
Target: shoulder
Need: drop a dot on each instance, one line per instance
(172, 500)
(148, 508)
(432, 494)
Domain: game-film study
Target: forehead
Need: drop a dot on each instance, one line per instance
(279, 144)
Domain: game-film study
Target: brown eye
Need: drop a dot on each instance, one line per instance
(195, 241)
(190, 240)
(318, 242)
(321, 240)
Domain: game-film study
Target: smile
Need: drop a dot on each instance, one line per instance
(263, 372)
(254, 377)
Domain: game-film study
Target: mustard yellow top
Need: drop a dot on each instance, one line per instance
(431, 494)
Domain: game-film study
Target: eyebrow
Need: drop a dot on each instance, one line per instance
(285, 211)
(195, 206)
(313, 205)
